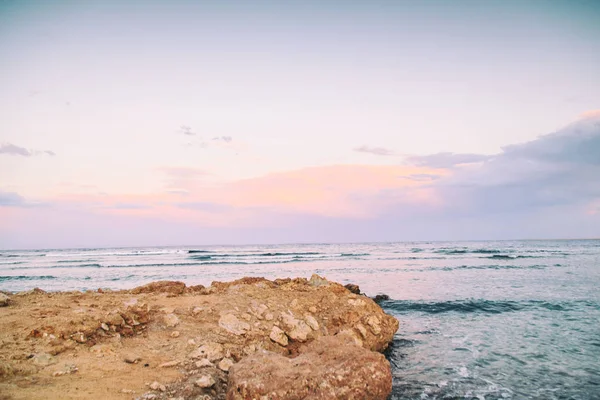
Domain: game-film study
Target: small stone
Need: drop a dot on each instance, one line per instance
(246, 316)
(312, 309)
(175, 334)
(197, 310)
(232, 324)
(191, 342)
(295, 329)
(171, 320)
(311, 322)
(158, 386)
(357, 302)
(205, 381)
(225, 364)
(204, 363)
(114, 318)
(294, 303)
(104, 327)
(169, 364)
(278, 336)
(4, 300)
(127, 391)
(79, 337)
(44, 359)
(132, 358)
(269, 317)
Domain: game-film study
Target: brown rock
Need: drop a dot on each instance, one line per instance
(232, 324)
(328, 368)
(172, 287)
(353, 288)
(278, 336)
(4, 300)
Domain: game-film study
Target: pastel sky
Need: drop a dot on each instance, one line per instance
(224, 122)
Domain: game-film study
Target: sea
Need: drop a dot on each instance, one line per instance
(478, 320)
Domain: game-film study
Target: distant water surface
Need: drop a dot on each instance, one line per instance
(478, 320)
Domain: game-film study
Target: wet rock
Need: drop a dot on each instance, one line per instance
(4, 300)
(327, 368)
(205, 381)
(278, 336)
(172, 287)
(380, 297)
(211, 351)
(353, 288)
(232, 324)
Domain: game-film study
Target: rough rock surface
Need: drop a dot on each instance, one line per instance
(328, 368)
(4, 300)
(74, 345)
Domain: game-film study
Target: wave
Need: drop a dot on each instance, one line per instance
(26, 278)
(484, 306)
(74, 261)
(199, 251)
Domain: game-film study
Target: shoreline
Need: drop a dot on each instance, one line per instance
(249, 338)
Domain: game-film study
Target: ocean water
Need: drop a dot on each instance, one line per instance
(478, 320)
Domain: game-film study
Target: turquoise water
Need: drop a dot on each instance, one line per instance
(478, 320)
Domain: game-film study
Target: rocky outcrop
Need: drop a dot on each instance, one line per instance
(192, 342)
(4, 300)
(331, 367)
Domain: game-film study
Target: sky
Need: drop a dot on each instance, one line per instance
(130, 123)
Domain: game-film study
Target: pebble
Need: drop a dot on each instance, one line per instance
(132, 359)
(205, 381)
(158, 386)
(171, 320)
(204, 363)
(278, 336)
(225, 364)
(169, 364)
(175, 334)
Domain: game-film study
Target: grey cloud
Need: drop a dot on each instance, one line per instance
(9, 148)
(556, 170)
(226, 139)
(13, 149)
(186, 130)
(446, 160)
(378, 151)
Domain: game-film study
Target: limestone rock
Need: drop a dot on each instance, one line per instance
(225, 364)
(316, 280)
(158, 386)
(295, 329)
(311, 322)
(171, 320)
(211, 351)
(4, 300)
(205, 381)
(278, 336)
(169, 364)
(203, 363)
(232, 324)
(328, 368)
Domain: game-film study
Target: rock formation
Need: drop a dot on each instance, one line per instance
(165, 340)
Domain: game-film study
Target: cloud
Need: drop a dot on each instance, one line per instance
(186, 130)
(226, 139)
(204, 206)
(378, 151)
(446, 160)
(8, 148)
(560, 169)
(12, 149)
(11, 199)
(129, 206)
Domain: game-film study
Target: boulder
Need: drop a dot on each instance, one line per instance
(330, 367)
(232, 324)
(353, 288)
